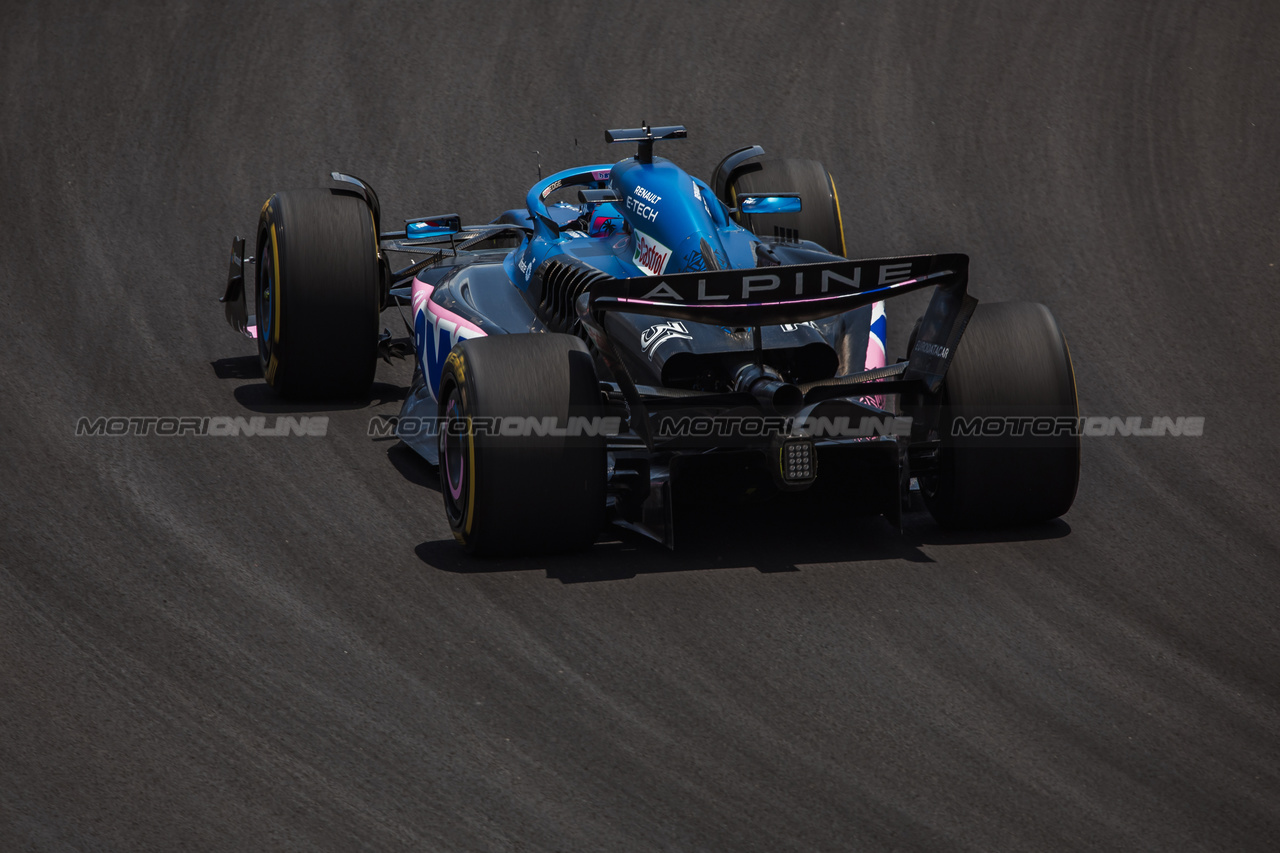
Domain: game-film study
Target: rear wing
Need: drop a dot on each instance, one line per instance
(766, 296)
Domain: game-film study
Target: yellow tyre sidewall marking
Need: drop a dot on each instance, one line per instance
(844, 250)
(274, 363)
(1075, 395)
(275, 273)
(455, 363)
(471, 484)
(470, 515)
(1075, 389)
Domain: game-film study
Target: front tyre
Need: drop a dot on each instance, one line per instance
(1012, 372)
(318, 294)
(510, 485)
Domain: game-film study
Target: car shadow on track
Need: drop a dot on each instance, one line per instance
(920, 529)
(769, 539)
(774, 536)
(261, 397)
(413, 467)
(769, 542)
(239, 367)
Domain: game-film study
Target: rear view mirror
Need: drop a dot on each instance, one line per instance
(432, 226)
(753, 203)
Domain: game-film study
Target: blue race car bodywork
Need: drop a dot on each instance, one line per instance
(691, 311)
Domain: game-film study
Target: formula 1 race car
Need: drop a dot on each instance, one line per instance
(589, 360)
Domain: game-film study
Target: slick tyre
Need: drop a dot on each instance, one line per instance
(319, 294)
(509, 493)
(1012, 366)
(819, 216)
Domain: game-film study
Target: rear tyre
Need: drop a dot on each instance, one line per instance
(319, 294)
(1012, 363)
(819, 216)
(506, 494)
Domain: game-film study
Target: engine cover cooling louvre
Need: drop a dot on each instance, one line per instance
(561, 283)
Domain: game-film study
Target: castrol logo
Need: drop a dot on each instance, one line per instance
(650, 255)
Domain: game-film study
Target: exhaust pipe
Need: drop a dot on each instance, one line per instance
(766, 385)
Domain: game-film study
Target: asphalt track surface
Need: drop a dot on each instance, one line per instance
(271, 644)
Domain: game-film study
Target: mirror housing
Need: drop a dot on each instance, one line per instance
(755, 203)
(432, 226)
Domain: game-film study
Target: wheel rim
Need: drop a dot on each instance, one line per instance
(453, 457)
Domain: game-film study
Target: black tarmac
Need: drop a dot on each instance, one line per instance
(255, 643)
